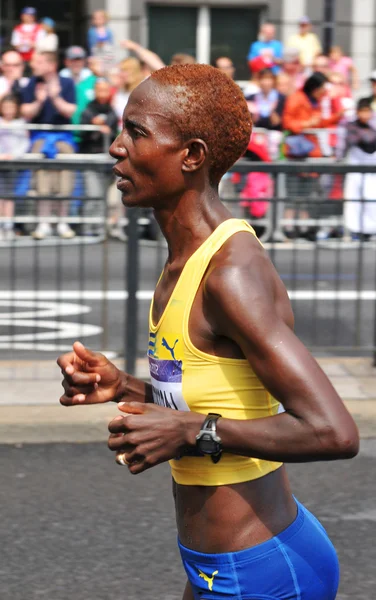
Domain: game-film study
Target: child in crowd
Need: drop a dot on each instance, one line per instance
(99, 33)
(47, 40)
(14, 142)
(268, 104)
(25, 34)
(338, 63)
(360, 215)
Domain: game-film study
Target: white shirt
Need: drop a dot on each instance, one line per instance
(49, 42)
(14, 139)
(5, 85)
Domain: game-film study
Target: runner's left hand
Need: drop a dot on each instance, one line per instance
(147, 434)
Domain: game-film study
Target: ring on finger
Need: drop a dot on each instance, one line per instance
(121, 460)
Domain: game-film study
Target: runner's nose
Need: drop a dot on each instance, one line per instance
(117, 148)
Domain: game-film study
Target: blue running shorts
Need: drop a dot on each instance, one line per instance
(298, 564)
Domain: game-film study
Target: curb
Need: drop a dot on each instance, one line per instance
(37, 424)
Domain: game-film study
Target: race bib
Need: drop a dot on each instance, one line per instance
(167, 383)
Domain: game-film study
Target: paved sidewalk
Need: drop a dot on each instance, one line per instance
(30, 412)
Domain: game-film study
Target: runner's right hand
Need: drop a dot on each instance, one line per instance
(89, 377)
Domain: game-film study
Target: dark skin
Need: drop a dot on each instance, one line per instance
(241, 310)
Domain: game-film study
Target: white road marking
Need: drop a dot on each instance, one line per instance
(35, 319)
(41, 310)
(118, 295)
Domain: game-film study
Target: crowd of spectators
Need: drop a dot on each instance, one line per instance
(291, 89)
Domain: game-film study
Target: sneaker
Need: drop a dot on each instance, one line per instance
(65, 232)
(42, 231)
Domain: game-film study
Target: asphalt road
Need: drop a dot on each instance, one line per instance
(31, 277)
(75, 526)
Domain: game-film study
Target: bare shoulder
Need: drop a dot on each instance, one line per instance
(241, 277)
(240, 262)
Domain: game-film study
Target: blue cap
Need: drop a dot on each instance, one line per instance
(28, 10)
(49, 22)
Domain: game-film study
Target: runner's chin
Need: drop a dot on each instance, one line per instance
(126, 187)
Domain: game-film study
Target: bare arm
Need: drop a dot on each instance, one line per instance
(66, 109)
(316, 424)
(151, 59)
(30, 110)
(354, 77)
(63, 107)
(245, 301)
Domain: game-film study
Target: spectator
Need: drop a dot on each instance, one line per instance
(372, 99)
(85, 89)
(321, 65)
(98, 112)
(306, 42)
(114, 79)
(14, 142)
(50, 99)
(360, 217)
(267, 105)
(267, 42)
(104, 51)
(341, 95)
(182, 59)
(12, 80)
(292, 67)
(25, 35)
(75, 61)
(284, 84)
(225, 64)
(48, 41)
(303, 111)
(328, 104)
(131, 74)
(152, 61)
(338, 63)
(99, 32)
(265, 61)
(251, 87)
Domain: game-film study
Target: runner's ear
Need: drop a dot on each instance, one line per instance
(196, 152)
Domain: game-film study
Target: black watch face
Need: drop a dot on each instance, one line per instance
(208, 446)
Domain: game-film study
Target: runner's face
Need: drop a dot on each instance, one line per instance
(149, 150)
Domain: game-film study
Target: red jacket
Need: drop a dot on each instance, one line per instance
(299, 110)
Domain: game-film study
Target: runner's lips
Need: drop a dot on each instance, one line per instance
(121, 175)
(123, 182)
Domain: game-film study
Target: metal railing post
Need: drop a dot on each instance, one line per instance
(132, 279)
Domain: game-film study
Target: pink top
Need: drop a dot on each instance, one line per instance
(343, 66)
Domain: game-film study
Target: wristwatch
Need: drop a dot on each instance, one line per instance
(207, 441)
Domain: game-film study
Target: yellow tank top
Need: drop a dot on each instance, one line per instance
(184, 378)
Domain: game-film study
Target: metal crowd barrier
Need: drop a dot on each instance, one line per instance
(84, 198)
(77, 129)
(54, 291)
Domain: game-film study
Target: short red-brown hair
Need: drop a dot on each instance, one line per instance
(207, 104)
